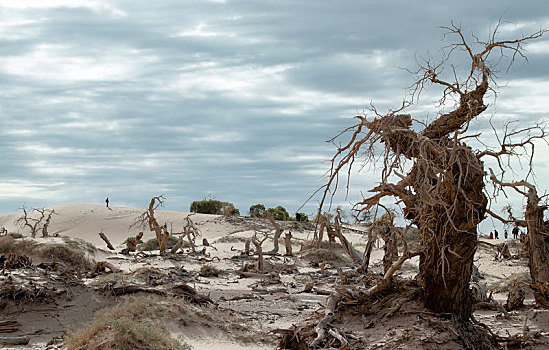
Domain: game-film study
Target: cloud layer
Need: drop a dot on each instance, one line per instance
(232, 99)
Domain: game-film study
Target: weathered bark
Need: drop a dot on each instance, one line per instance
(515, 298)
(288, 243)
(356, 256)
(538, 247)
(278, 233)
(320, 235)
(14, 340)
(106, 240)
(390, 249)
(132, 244)
(372, 237)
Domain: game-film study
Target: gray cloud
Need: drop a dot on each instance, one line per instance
(232, 99)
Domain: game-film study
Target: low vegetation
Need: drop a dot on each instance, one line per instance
(214, 206)
(279, 213)
(209, 271)
(152, 244)
(129, 325)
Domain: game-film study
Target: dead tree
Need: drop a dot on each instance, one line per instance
(288, 243)
(440, 178)
(191, 232)
(278, 231)
(148, 219)
(351, 251)
(259, 250)
(132, 242)
(537, 240)
(36, 224)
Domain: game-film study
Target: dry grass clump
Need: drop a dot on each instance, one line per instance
(62, 253)
(71, 254)
(209, 271)
(8, 243)
(79, 244)
(137, 322)
(152, 244)
(124, 327)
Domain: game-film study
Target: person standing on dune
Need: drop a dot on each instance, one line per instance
(107, 201)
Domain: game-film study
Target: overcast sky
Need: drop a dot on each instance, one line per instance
(228, 99)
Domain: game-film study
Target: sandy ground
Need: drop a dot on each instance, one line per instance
(269, 306)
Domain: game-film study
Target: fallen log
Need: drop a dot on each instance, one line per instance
(8, 326)
(106, 240)
(14, 340)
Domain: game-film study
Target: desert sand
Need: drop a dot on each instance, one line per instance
(259, 304)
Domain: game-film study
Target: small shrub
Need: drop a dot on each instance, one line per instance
(279, 213)
(209, 271)
(15, 235)
(256, 210)
(123, 328)
(214, 206)
(70, 256)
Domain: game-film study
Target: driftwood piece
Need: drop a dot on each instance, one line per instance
(102, 266)
(132, 244)
(288, 243)
(278, 233)
(257, 245)
(491, 305)
(247, 247)
(515, 298)
(356, 256)
(503, 251)
(178, 245)
(181, 290)
(106, 240)
(14, 340)
(9, 325)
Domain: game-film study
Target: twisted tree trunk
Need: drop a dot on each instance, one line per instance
(538, 248)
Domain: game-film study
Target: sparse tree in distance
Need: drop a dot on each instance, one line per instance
(36, 224)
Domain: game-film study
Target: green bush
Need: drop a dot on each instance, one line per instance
(279, 213)
(301, 217)
(257, 210)
(214, 206)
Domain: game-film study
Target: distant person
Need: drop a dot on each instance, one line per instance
(107, 201)
(496, 234)
(298, 217)
(515, 232)
(491, 235)
(505, 234)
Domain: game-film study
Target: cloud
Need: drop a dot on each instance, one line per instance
(134, 98)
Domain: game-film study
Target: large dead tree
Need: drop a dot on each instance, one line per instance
(440, 178)
(36, 224)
